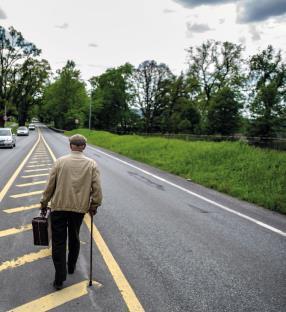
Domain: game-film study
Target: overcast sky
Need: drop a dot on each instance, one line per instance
(98, 34)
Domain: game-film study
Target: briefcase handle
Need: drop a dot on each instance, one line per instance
(46, 215)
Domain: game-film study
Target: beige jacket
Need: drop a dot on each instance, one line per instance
(74, 184)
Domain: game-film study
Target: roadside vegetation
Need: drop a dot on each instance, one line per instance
(252, 174)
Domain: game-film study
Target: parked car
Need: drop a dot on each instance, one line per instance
(32, 127)
(22, 131)
(7, 138)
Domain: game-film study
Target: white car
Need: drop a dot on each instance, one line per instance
(22, 131)
(7, 138)
(32, 127)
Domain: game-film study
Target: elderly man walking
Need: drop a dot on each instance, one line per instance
(73, 189)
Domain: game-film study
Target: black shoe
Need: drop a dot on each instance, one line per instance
(58, 285)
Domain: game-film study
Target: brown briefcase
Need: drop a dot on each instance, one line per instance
(42, 229)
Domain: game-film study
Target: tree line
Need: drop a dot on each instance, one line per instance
(220, 92)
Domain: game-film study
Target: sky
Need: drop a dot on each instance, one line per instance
(99, 34)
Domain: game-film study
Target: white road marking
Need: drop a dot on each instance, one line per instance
(271, 228)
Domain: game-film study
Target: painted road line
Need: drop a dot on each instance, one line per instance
(28, 258)
(32, 183)
(57, 298)
(264, 225)
(23, 208)
(13, 231)
(34, 170)
(35, 166)
(40, 162)
(17, 171)
(35, 175)
(27, 194)
(40, 158)
(124, 287)
(37, 154)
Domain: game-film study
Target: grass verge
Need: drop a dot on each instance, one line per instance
(245, 172)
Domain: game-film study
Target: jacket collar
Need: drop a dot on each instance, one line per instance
(77, 154)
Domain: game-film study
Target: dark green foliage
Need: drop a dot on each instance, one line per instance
(268, 79)
(148, 82)
(212, 66)
(15, 52)
(66, 100)
(223, 114)
(111, 98)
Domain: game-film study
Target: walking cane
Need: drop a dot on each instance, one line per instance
(91, 239)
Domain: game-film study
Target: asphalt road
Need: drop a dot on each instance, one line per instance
(176, 243)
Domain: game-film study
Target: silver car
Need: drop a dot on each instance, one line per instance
(22, 131)
(7, 138)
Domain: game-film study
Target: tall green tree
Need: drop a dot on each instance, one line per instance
(148, 80)
(267, 78)
(111, 97)
(224, 113)
(180, 114)
(65, 101)
(213, 66)
(28, 86)
(14, 51)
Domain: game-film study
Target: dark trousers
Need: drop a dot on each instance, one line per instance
(63, 222)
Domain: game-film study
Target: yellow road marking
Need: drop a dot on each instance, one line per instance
(40, 158)
(57, 298)
(35, 166)
(32, 183)
(34, 170)
(13, 231)
(23, 208)
(11, 264)
(17, 171)
(27, 194)
(35, 175)
(125, 289)
(40, 162)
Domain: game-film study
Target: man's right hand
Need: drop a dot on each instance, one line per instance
(43, 209)
(92, 211)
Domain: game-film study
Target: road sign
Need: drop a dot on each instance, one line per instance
(5, 118)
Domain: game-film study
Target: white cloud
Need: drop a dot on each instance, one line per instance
(63, 26)
(197, 28)
(255, 34)
(93, 45)
(168, 11)
(195, 3)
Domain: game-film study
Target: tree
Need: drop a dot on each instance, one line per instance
(212, 66)
(148, 83)
(223, 114)
(268, 92)
(66, 100)
(111, 97)
(180, 114)
(28, 86)
(14, 50)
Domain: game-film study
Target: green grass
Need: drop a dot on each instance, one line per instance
(12, 125)
(245, 172)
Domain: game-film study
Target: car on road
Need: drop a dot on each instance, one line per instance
(32, 127)
(7, 138)
(22, 131)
